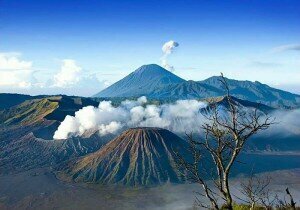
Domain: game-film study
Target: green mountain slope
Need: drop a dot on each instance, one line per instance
(53, 108)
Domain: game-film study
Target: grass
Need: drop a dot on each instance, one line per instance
(247, 207)
(28, 112)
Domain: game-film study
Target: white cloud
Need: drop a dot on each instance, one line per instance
(18, 76)
(168, 48)
(106, 83)
(72, 79)
(14, 72)
(289, 47)
(181, 116)
(68, 75)
(21, 79)
(11, 61)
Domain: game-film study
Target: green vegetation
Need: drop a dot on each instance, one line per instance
(50, 108)
(247, 207)
(28, 112)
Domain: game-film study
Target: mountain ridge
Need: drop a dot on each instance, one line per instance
(178, 88)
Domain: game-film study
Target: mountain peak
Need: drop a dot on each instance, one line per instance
(151, 70)
(139, 156)
(151, 66)
(145, 129)
(143, 80)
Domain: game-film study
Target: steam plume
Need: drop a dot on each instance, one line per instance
(181, 116)
(168, 48)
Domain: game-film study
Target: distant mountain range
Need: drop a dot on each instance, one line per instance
(156, 82)
(139, 156)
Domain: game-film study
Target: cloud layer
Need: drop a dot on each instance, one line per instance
(289, 47)
(17, 75)
(181, 116)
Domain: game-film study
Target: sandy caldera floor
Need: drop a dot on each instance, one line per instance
(39, 189)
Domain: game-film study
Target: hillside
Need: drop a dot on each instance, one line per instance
(28, 112)
(186, 90)
(26, 134)
(242, 104)
(142, 81)
(53, 108)
(8, 100)
(29, 152)
(256, 92)
(139, 156)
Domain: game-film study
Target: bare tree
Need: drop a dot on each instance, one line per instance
(256, 191)
(226, 131)
(292, 203)
(283, 204)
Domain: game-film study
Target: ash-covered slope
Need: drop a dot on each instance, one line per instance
(142, 81)
(29, 152)
(139, 156)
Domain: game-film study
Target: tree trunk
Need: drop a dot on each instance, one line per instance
(252, 206)
(229, 203)
(293, 203)
(227, 193)
(215, 205)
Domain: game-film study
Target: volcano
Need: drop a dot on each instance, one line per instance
(142, 81)
(139, 156)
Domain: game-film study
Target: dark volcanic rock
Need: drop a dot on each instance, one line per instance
(29, 152)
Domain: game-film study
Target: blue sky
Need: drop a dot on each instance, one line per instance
(80, 47)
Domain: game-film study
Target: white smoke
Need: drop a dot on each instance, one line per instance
(286, 123)
(181, 116)
(168, 48)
